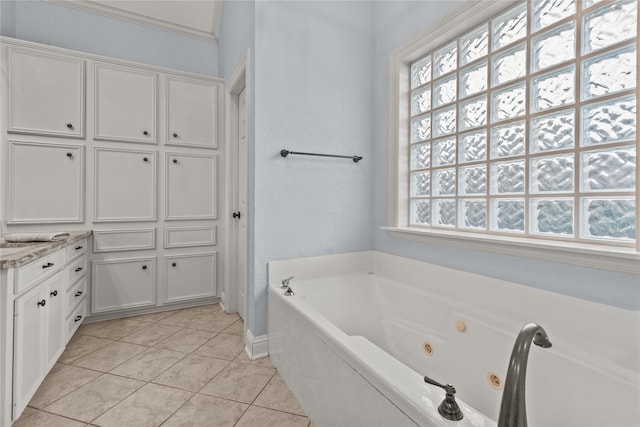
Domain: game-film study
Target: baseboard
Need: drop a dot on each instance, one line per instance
(256, 347)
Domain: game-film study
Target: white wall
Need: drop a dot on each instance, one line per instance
(53, 24)
(618, 289)
(313, 81)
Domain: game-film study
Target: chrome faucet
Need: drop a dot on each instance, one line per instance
(512, 408)
(285, 282)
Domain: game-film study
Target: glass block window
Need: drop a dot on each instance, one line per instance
(526, 125)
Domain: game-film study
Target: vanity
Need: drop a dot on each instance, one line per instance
(43, 287)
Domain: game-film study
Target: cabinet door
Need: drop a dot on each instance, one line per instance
(125, 185)
(192, 112)
(46, 93)
(191, 186)
(125, 104)
(46, 183)
(30, 344)
(57, 332)
(123, 283)
(190, 276)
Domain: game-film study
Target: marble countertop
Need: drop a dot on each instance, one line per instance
(24, 253)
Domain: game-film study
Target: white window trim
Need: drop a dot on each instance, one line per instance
(456, 23)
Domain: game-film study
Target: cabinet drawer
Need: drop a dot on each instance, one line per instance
(76, 270)
(76, 295)
(76, 318)
(76, 249)
(39, 269)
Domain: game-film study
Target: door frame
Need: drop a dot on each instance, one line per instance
(238, 81)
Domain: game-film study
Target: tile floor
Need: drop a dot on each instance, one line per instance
(178, 368)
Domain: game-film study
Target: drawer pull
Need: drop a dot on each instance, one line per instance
(144, 267)
(69, 155)
(47, 265)
(78, 318)
(78, 248)
(78, 269)
(78, 293)
(42, 303)
(54, 293)
(173, 264)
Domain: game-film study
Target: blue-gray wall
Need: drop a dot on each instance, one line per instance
(56, 25)
(397, 22)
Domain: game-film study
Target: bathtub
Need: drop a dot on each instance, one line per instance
(362, 329)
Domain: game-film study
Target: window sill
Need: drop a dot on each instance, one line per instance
(597, 256)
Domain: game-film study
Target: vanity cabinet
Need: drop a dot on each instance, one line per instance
(192, 116)
(46, 93)
(125, 104)
(190, 276)
(40, 175)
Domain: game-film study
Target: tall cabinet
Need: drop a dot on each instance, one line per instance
(128, 150)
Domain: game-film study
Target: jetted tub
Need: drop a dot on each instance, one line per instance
(362, 329)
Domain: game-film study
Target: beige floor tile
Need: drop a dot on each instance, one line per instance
(261, 417)
(148, 364)
(203, 309)
(191, 373)
(110, 356)
(217, 321)
(236, 328)
(62, 380)
(152, 317)
(112, 329)
(186, 340)
(35, 418)
(207, 411)
(182, 318)
(222, 346)
(276, 395)
(94, 398)
(151, 334)
(240, 382)
(263, 361)
(150, 406)
(81, 345)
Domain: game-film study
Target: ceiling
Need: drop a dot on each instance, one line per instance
(194, 18)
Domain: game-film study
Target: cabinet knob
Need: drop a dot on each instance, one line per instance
(144, 267)
(69, 125)
(47, 265)
(78, 318)
(173, 264)
(175, 160)
(42, 303)
(78, 293)
(69, 155)
(78, 269)
(146, 159)
(78, 248)
(175, 135)
(54, 293)
(145, 133)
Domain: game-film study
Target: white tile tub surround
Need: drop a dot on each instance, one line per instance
(319, 334)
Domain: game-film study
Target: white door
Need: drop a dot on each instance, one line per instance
(240, 229)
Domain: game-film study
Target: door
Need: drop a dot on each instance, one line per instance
(192, 112)
(240, 229)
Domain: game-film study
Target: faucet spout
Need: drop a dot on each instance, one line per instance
(513, 411)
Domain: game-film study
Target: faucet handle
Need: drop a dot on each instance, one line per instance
(285, 282)
(449, 408)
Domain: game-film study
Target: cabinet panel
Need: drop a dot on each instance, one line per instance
(46, 183)
(190, 186)
(192, 117)
(124, 240)
(46, 94)
(125, 104)
(177, 237)
(123, 283)
(125, 185)
(75, 295)
(56, 333)
(190, 276)
(76, 249)
(75, 319)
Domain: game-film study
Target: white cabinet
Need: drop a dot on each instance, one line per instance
(190, 276)
(123, 283)
(39, 336)
(46, 93)
(125, 102)
(192, 112)
(45, 183)
(125, 185)
(190, 186)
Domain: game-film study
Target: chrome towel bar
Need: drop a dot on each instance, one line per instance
(285, 153)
